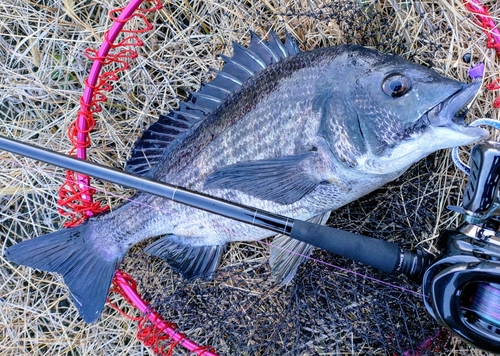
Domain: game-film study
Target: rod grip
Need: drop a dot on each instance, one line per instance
(380, 254)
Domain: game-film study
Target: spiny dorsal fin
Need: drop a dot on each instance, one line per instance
(245, 63)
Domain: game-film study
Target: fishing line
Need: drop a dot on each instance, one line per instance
(461, 165)
(486, 303)
(345, 270)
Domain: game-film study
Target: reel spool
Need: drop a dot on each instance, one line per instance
(462, 289)
(486, 304)
(463, 293)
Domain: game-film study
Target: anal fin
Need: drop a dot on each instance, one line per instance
(287, 254)
(190, 261)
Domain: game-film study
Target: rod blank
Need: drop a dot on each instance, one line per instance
(253, 216)
(383, 255)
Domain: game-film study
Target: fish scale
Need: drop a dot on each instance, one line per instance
(295, 133)
(249, 139)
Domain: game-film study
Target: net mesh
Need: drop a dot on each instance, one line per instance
(331, 307)
(325, 310)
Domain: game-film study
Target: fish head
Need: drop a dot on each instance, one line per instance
(394, 112)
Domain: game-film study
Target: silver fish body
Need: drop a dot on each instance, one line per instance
(297, 133)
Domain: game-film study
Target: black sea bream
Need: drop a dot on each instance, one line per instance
(295, 133)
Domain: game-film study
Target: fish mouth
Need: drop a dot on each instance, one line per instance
(451, 113)
(442, 126)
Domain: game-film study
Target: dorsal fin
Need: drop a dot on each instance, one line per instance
(245, 63)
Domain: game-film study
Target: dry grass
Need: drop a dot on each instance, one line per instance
(42, 68)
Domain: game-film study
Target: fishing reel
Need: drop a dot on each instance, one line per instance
(462, 288)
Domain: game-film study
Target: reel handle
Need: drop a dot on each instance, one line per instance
(480, 200)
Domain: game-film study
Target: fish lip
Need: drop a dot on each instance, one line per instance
(452, 110)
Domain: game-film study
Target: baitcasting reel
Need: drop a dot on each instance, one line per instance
(462, 288)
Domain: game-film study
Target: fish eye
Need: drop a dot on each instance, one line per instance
(396, 85)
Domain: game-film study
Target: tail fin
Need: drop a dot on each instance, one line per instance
(87, 271)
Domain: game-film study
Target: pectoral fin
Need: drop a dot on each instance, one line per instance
(283, 180)
(287, 254)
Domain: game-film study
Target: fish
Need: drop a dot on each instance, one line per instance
(297, 133)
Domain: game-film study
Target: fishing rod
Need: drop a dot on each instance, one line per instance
(461, 289)
(383, 255)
